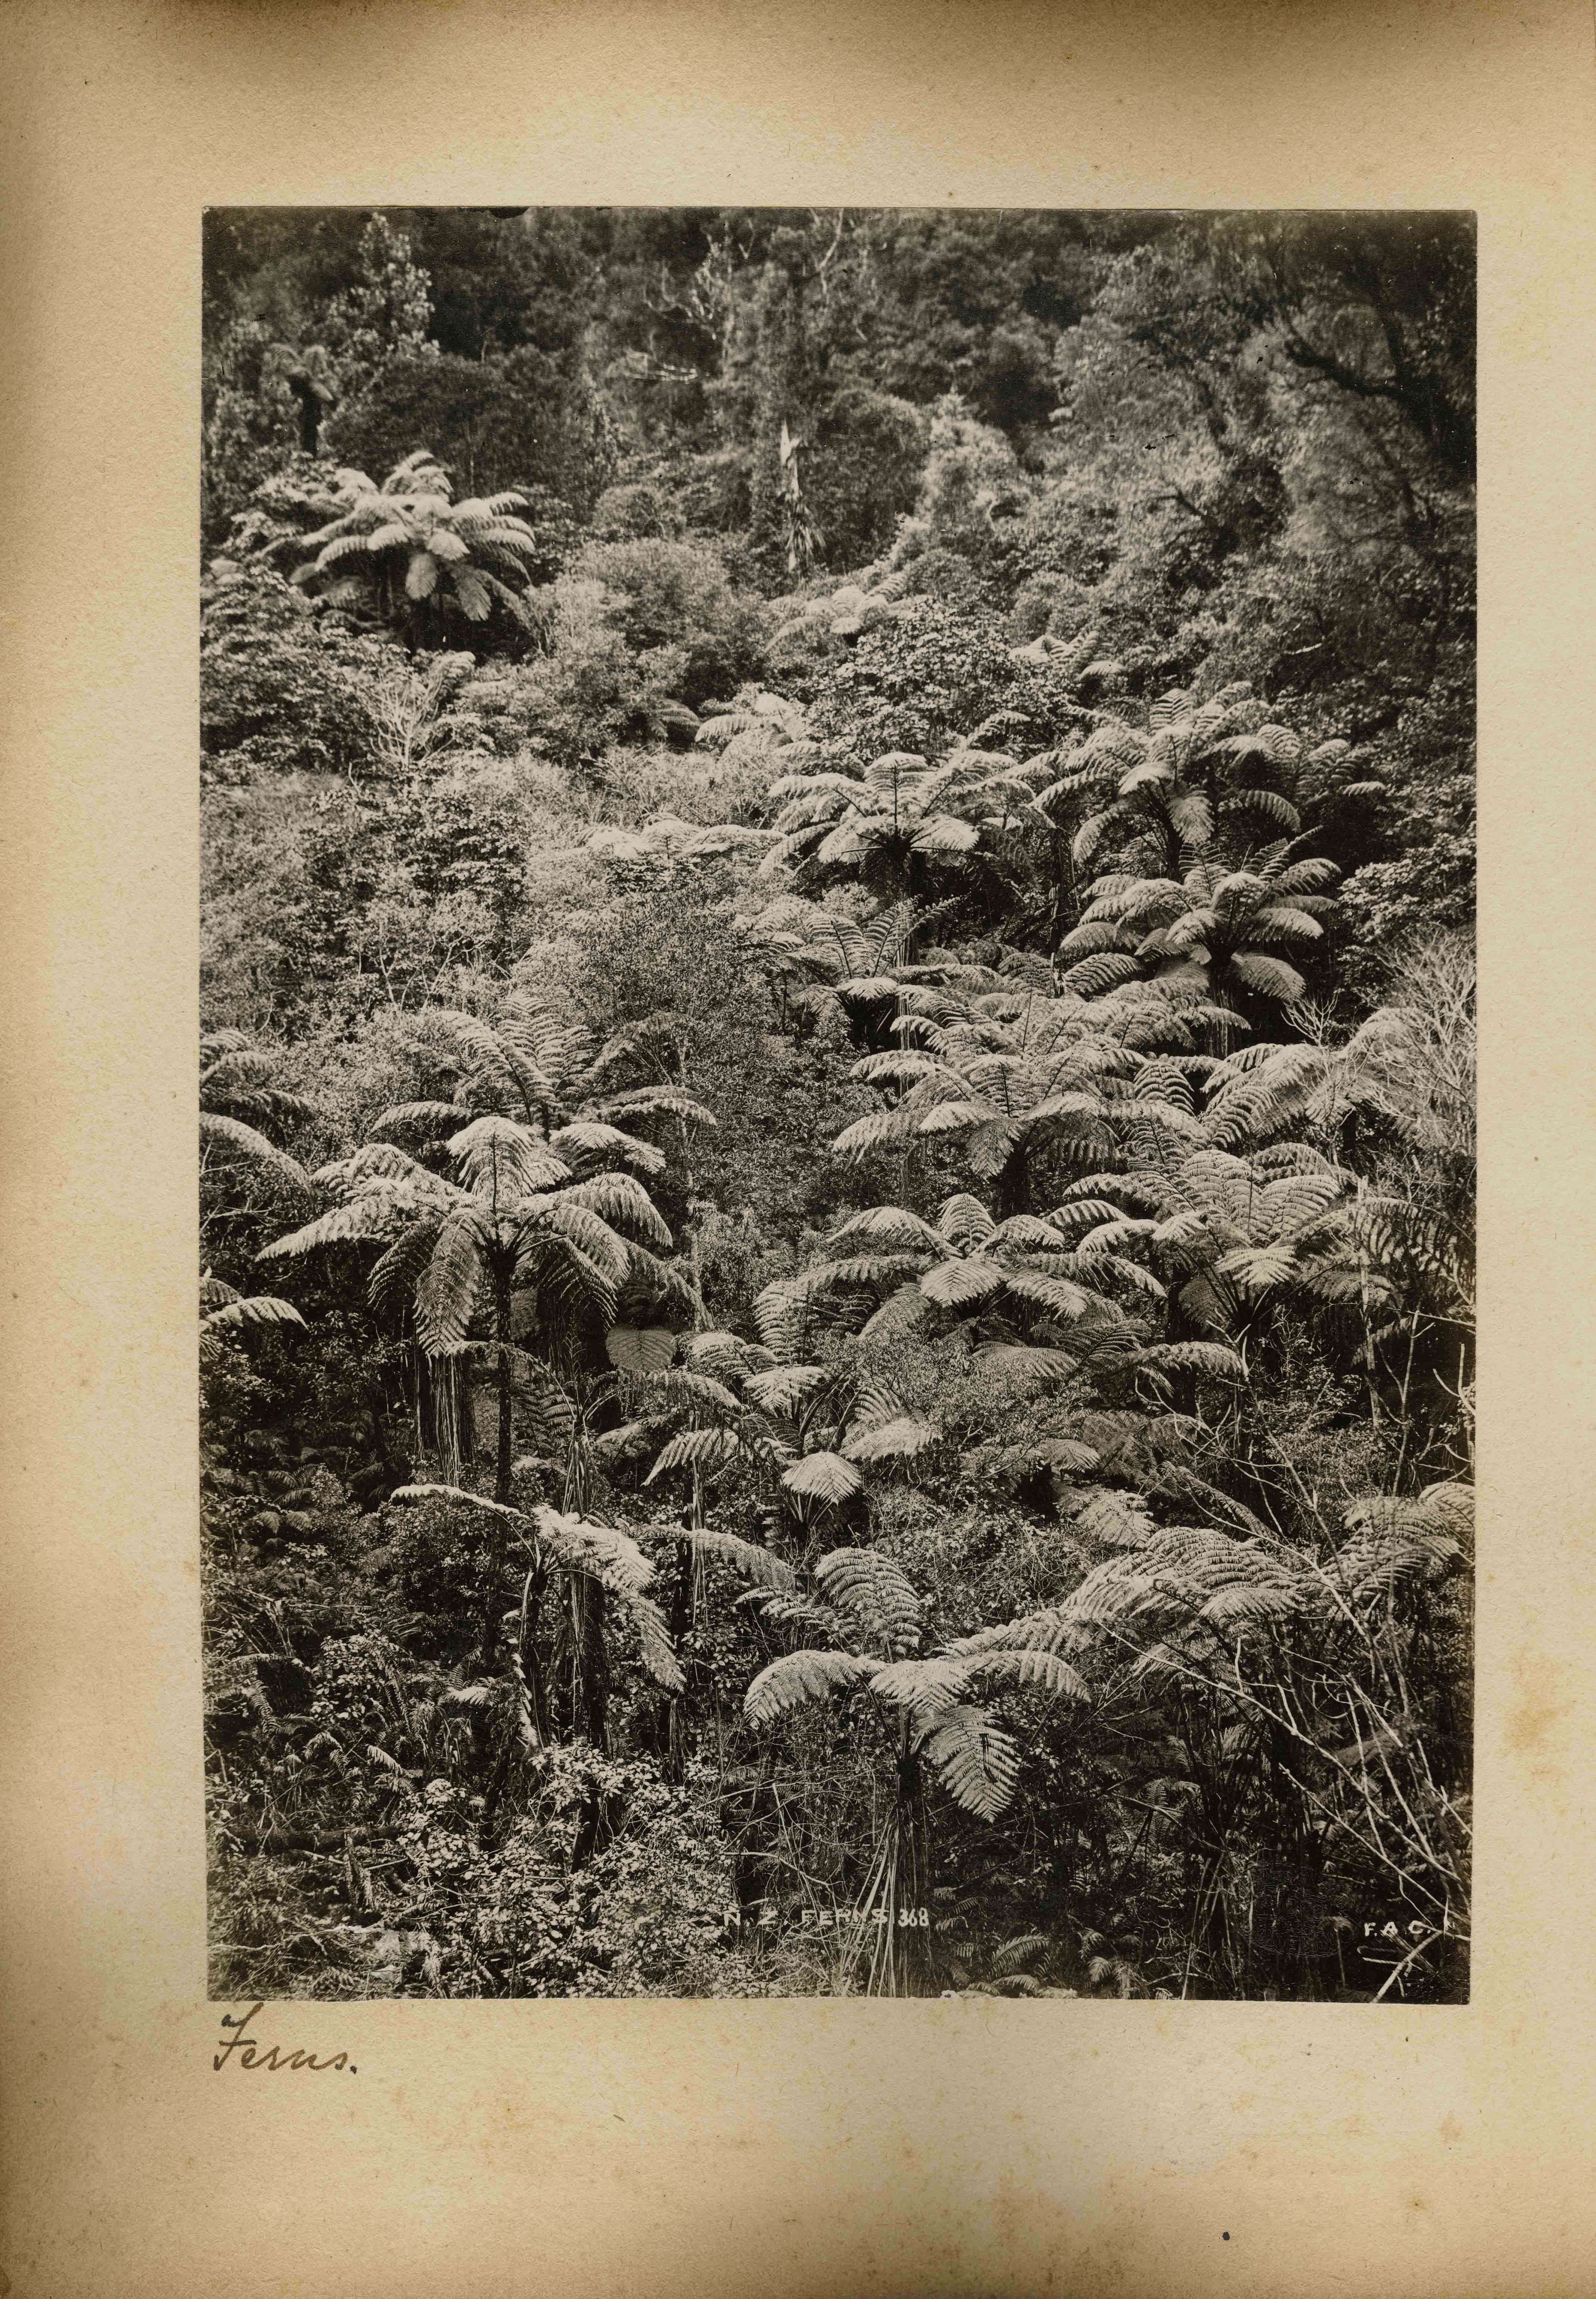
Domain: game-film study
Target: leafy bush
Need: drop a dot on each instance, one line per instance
(252, 423)
(650, 1914)
(519, 421)
(634, 513)
(918, 684)
(677, 594)
(864, 472)
(587, 689)
(277, 693)
(336, 903)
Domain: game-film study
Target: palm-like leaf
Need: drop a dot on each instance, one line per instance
(799, 1680)
(977, 1761)
(252, 1309)
(873, 1594)
(441, 551)
(824, 1477)
(231, 1137)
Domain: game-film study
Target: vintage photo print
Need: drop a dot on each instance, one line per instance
(837, 1195)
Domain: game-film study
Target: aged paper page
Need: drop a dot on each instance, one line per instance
(806, 2149)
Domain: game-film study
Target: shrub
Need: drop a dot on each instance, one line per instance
(520, 421)
(677, 594)
(970, 475)
(588, 689)
(863, 472)
(252, 424)
(632, 513)
(916, 683)
(277, 693)
(718, 490)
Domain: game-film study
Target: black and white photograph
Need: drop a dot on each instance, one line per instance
(835, 1105)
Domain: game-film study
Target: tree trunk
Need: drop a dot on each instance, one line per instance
(501, 1477)
(1013, 1192)
(592, 1665)
(673, 1729)
(914, 1960)
(502, 1334)
(673, 1720)
(530, 1668)
(1064, 892)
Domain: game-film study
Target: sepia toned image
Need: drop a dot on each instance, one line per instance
(836, 1193)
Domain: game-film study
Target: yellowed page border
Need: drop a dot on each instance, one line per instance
(794, 2148)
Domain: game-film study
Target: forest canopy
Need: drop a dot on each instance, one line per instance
(837, 1102)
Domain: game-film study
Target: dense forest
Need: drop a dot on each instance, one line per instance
(836, 1107)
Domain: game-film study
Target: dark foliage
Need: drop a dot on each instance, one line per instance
(858, 1096)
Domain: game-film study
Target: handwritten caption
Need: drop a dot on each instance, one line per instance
(252, 2053)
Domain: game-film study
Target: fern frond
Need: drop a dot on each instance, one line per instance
(1269, 977)
(801, 1679)
(706, 1449)
(890, 1226)
(1095, 975)
(902, 1438)
(976, 1761)
(253, 1309)
(699, 1390)
(501, 1161)
(758, 1565)
(875, 1595)
(1028, 1947)
(621, 1201)
(658, 1101)
(877, 1131)
(438, 1119)
(784, 1387)
(369, 1216)
(1033, 1668)
(446, 1296)
(1025, 1370)
(641, 1349)
(589, 1138)
(902, 1312)
(1056, 1295)
(793, 1612)
(1115, 1520)
(823, 1477)
(956, 1284)
(924, 1688)
(1209, 1357)
(430, 1492)
(232, 1138)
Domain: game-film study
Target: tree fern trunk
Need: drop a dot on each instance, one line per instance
(674, 1720)
(675, 1717)
(1013, 1193)
(530, 1666)
(501, 1477)
(908, 1909)
(592, 1663)
(501, 1334)
(1064, 892)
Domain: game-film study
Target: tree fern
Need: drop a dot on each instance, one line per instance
(417, 557)
(904, 1437)
(797, 1680)
(516, 1219)
(875, 1595)
(822, 1476)
(976, 1760)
